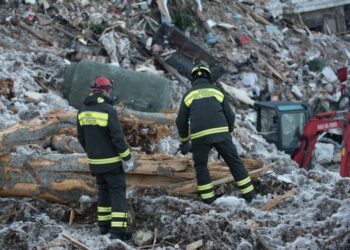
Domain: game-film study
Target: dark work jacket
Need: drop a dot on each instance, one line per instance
(100, 134)
(204, 115)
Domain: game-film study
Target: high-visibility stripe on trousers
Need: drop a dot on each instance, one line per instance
(229, 153)
(119, 220)
(206, 191)
(245, 185)
(112, 203)
(104, 215)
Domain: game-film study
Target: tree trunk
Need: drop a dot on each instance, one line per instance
(65, 178)
(140, 129)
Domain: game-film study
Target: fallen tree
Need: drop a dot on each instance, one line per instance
(64, 178)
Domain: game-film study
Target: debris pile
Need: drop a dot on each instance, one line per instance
(255, 57)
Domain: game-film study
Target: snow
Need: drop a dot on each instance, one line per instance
(316, 212)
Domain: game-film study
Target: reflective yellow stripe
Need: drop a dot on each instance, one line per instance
(125, 153)
(104, 209)
(205, 187)
(343, 152)
(104, 217)
(203, 93)
(119, 224)
(119, 215)
(105, 160)
(243, 182)
(93, 118)
(209, 132)
(208, 195)
(183, 139)
(247, 190)
(200, 67)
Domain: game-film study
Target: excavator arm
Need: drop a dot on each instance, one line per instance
(345, 154)
(314, 127)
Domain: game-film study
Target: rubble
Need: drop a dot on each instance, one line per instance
(285, 61)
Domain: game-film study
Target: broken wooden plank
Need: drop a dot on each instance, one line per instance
(44, 37)
(194, 245)
(252, 14)
(75, 242)
(163, 8)
(271, 68)
(191, 186)
(277, 200)
(155, 238)
(238, 94)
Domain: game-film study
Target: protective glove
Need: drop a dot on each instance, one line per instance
(185, 147)
(129, 165)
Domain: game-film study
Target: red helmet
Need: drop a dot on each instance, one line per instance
(101, 83)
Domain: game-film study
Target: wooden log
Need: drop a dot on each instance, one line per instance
(166, 118)
(65, 178)
(36, 130)
(66, 144)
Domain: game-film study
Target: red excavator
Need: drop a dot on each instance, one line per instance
(286, 124)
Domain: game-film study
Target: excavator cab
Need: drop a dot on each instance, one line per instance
(281, 123)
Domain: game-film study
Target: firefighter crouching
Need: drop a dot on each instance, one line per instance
(100, 134)
(206, 119)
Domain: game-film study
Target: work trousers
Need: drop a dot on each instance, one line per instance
(228, 152)
(112, 203)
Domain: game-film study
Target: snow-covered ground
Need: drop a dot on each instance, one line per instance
(316, 215)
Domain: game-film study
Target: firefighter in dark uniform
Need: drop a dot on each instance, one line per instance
(100, 134)
(205, 120)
